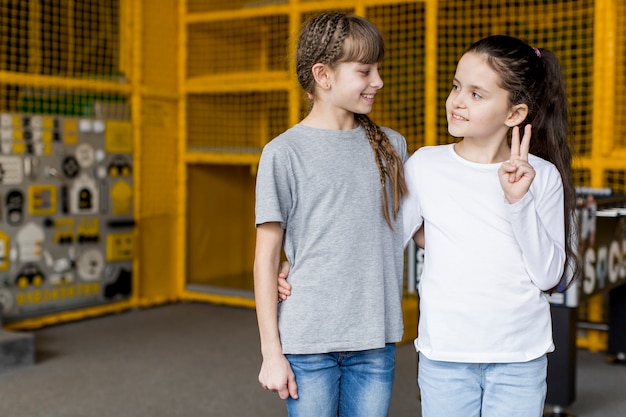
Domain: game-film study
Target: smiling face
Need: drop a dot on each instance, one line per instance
(353, 86)
(477, 107)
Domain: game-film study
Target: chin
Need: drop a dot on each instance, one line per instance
(454, 132)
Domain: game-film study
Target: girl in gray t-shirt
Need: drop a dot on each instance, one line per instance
(328, 195)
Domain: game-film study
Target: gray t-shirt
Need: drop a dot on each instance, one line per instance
(347, 265)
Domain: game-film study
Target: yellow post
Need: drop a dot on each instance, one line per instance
(431, 60)
(34, 39)
(603, 130)
(604, 65)
(180, 242)
(596, 339)
(135, 65)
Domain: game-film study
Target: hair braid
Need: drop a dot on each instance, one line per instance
(338, 33)
(315, 46)
(390, 166)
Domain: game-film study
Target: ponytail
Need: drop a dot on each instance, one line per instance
(550, 122)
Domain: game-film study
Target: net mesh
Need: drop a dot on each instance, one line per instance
(65, 41)
(241, 89)
(564, 27)
(617, 179)
(234, 88)
(402, 99)
(69, 38)
(243, 47)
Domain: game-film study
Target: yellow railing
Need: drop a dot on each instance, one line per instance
(209, 82)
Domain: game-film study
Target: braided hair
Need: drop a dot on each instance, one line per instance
(332, 38)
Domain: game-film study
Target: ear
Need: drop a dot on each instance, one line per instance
(517, 115)
(321, 74)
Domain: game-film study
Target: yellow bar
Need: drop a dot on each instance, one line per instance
(259, 81)
(222, 158)
(295, 93)
(617, 161)
(218, 299)
(302, 7)
(36, 80)
(137, 122)
(180, 241)
(70, 36)
(127, 15)
(224, 15)
(430, 74)
(604, 61)
(158, 93)
(34, 39)
(66, 316)
(596, 339)
(358, 5)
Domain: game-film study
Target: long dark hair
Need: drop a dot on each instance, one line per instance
(533, 76)
(331, 38)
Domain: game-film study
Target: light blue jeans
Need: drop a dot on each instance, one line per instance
(454, 389)
(344, 384)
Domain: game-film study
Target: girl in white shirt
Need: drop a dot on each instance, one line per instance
(496, 217)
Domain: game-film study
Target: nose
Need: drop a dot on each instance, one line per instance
(377, 81)
(456, 98)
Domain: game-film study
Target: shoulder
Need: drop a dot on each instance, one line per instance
(429, 153)
(392, 134)
(546, 172)
(541, 165)
(396, 139)
(434, 150)
(283, 144)
(282, 140)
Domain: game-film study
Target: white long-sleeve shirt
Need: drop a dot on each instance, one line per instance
(487, 262)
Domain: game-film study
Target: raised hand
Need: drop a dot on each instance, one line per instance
(517, 174)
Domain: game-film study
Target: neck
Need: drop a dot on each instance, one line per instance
(330, 120)
(483, 153)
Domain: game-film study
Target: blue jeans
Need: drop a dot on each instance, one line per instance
(454, 389)
(344, 384)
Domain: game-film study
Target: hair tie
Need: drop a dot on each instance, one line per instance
(537, 52)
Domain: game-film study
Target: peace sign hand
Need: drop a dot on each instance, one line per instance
(517, 174)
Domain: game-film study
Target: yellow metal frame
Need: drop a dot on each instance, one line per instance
(603, 154)
(181, 224)
(263, 81)
(136, 37)
(604, 67)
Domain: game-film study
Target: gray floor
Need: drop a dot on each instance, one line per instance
(198, 360)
